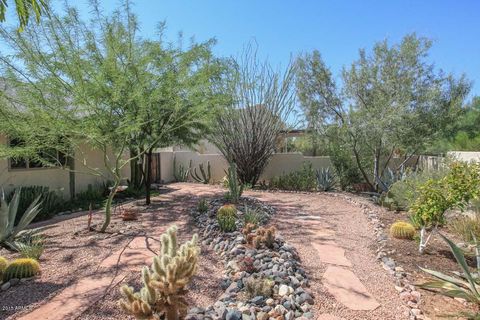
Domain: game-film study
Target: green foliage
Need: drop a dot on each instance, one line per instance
(345, 169)
(300, 180)
(52, 201)
(235, 189)
(204, 176)
(202, 205)
(464, 285)
(255, 287)
(467, 227)
(21, 268)
(405, 191)
(456, 189)
(402, 230)
(8, 212)
(3, 266)
(164, 284)
(24, 9)
(226, 218)
(253, 216)
(180, 173)
(326, 180)
(31, 246)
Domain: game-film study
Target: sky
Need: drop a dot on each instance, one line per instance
(337, 28)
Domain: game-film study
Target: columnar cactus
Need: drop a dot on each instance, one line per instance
(235, 189)
(21, 268)
(164, 283)
(402, 230)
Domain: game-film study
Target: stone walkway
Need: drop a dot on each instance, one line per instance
(332, 238)
(74, 300)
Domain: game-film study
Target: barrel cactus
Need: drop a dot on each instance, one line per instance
(163, 292)
(3, 266)
(226, 218)
(21, 268)
(402, 230)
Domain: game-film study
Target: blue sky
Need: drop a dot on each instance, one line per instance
(336, 28)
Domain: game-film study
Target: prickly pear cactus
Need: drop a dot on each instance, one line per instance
(163, 292)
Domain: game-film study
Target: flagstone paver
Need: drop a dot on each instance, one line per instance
(345, 286)
(77, 298)
(332, 254)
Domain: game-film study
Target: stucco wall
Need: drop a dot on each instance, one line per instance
(280, 163)
(465, 155)
(57, 178)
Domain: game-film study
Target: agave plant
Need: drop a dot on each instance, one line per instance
(325, 179)
(8, 212)
(463, 285)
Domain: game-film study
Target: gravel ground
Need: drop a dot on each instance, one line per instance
(351, 232)
(72, 253)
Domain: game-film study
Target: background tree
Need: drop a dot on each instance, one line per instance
(263, 103)
(393, 103)
(24, 8)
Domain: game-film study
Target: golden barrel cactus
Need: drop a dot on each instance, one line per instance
(3, 266)
(21, 268)
(402, 230)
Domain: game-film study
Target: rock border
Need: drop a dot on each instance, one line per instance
(291, 297)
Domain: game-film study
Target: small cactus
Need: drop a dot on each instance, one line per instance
(226, 218)
(235, 189)
(164, 283)
(262, 236)
(3, 266)
(21, 268)
(402, 230)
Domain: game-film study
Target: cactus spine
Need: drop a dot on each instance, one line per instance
(235, 189)
(402, 230)
(21, 268)
(204, 176)
(164, 283)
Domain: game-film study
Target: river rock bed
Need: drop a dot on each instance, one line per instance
(291, 298)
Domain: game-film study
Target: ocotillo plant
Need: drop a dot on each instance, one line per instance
(163, 293)
(235, 189)
(204, 176)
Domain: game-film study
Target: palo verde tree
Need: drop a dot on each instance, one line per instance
(75, 84)
(24, 10)
(393, 102)
(263, 101)
(181, 98)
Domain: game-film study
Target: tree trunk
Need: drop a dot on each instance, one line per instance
(108, 205)
(148, 175)
(136, 172)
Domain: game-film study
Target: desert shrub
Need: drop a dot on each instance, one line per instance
(226, 218)
(467, 227)
(31, 246)
(202, 206)
(164, 283)
(402, 230)
(52, 201)
(253, 216)
(301, 180)
(21, 268)
(345, 169)
(259, 287)
(404, 191)
(456, 189)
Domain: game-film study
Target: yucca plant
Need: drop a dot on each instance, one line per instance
(8, 212)
(463, 285)
(325, 179)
